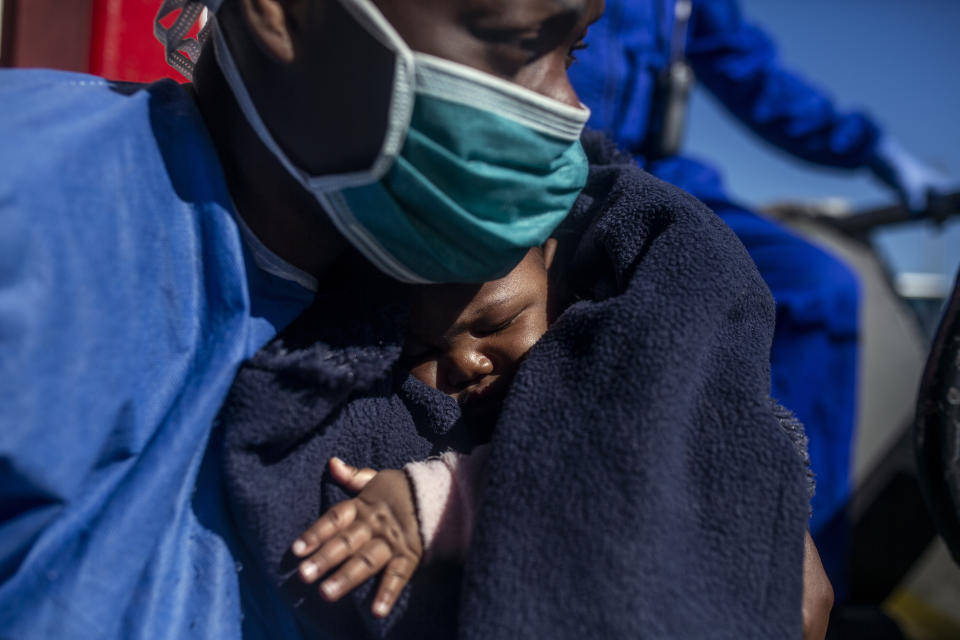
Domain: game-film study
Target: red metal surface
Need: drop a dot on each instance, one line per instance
(122, 45)
(110, 38)
(46, 33)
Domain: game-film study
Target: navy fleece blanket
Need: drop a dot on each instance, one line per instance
(640, 484)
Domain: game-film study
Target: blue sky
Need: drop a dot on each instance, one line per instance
(898, 60)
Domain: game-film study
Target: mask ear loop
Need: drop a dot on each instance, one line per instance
(182, 52)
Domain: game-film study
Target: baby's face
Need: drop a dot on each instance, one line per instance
(468, 340)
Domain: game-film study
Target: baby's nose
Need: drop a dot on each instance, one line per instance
(467, 365)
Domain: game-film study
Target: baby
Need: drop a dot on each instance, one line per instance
(467, 341)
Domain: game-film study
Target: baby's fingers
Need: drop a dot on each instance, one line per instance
(366, 562)
(351, 478)
(395, 578)
(342, 546)
(338, 518)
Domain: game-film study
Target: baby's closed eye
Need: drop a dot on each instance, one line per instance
(495, 324)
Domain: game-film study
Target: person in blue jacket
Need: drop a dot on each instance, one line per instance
(154, 237)
(636, 75)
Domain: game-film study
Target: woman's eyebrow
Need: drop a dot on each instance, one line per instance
(572, 5)
(581, 6)
(509, 16)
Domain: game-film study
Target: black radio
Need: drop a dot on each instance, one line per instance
(671, 93)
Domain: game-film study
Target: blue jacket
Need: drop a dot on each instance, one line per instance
(128, 299)
(814, 349)
(733, 59)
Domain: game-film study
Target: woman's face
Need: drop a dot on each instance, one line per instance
(468, 340)
(529, 42)
(342, 79)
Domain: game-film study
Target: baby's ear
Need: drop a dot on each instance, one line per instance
(549, 250)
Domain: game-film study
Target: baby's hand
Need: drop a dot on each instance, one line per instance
(376, 530)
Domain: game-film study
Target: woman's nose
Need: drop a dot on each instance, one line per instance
(466, 366)
(549, 78)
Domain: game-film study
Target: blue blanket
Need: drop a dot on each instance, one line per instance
(640, 485)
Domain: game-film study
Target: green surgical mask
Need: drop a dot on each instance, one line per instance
(482, 177)
(474, 170)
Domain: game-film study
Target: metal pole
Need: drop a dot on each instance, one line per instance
(7, 12)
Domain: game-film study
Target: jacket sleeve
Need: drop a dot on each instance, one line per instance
(740, 65)
(447, 490)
